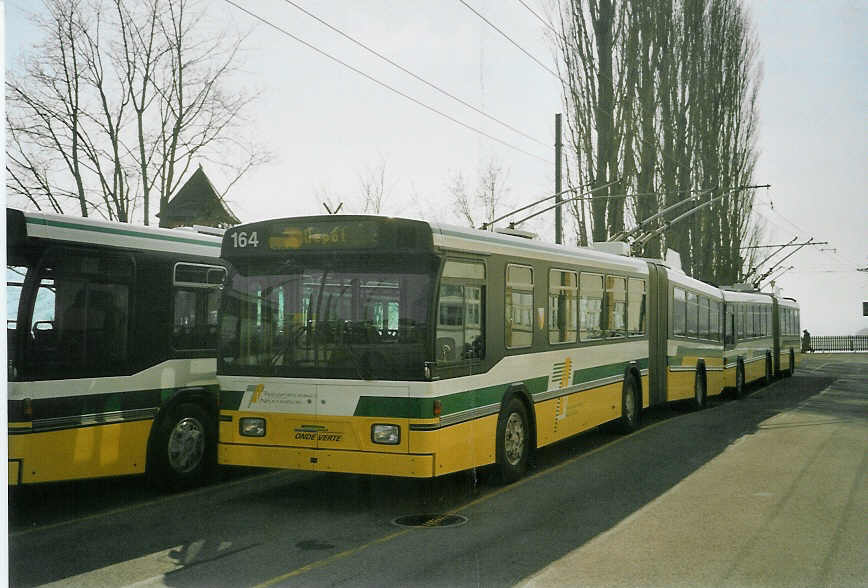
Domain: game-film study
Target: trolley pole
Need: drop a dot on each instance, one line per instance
(559, 237)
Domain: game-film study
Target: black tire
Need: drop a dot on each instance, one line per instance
(513, 441)
(767, 378)
(183, 449)
(631, 403)
(792, 369)
(739, 379)
(700, 390)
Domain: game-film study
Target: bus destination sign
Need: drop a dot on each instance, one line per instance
(346, 234)
(356, 235)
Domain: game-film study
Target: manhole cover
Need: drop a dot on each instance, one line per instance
(430, 520)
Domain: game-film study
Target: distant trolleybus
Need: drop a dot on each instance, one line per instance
(395, 347)
(111, 333)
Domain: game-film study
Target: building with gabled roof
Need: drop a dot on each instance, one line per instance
(197, 203)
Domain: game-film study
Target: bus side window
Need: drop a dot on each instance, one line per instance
(80, 316)
(591, 292)
(704, 328)
(563, 306)
(14, 282)
(196, 300)
(714, 321)
(679, 312)
(518, 306)
(636, 307)
(692, 315)
(44, 323)
(616, 307)
(461, 312)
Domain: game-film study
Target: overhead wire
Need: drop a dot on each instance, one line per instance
(385, 85)
(770, 206)
(414, 75)
(545, 23)
(508, 38)
(609, 114)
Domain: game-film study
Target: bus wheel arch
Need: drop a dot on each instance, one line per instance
(182, 448)
(700, 386)
(515, 436)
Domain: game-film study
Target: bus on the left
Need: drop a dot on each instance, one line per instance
(111, 331)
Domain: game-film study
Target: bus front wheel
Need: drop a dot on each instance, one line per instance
(631, 401)
(739, 379)
(513, 441)
(183, 449)
(700, 390)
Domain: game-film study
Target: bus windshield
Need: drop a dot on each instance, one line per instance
(320, 316)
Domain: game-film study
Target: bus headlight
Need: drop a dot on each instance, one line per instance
(386, 434)
(251, 427)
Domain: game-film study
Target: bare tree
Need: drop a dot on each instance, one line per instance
(372, 182)
(484, 203)
(661, 102)
(116, 102)
(462, 202)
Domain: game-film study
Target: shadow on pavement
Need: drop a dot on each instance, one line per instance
(285, 520)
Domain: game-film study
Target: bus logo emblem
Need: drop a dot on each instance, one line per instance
(257, 393)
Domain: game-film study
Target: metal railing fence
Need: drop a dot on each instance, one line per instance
(839, 343)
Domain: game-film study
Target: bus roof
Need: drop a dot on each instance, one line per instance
(477, 241)
(23, 225)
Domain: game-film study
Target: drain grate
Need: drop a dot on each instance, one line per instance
(430, 520)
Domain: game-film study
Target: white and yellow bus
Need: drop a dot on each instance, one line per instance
(395, 347)
(111, 332)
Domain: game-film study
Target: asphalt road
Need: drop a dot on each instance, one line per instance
(768, 490)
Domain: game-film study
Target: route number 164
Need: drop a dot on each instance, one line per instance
(245, 239)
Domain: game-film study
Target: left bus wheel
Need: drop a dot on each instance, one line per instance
(700, 391)
(513, 441)
(630, 412)
(183, 450)
(739, 380)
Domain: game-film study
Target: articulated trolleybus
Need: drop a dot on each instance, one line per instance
(111, 334)
(395, 347)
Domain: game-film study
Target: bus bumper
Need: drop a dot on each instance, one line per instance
(327, 460)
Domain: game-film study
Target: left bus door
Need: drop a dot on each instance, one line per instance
(71, 338)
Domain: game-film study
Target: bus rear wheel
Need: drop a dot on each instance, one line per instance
(792, 369)
(739, 379)
(513, 441)
(183, 448)
(630, 407)
(700, 391)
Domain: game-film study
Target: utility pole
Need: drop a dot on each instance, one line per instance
(559, 236)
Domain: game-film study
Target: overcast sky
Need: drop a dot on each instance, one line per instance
(327, 125)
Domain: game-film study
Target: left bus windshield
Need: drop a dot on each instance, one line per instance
(317, 318)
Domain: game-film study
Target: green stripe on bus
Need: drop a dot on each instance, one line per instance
(423, 408)
(487, 396)
(127, 233)
(600, 372)
(71, 406)
(231, 399)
